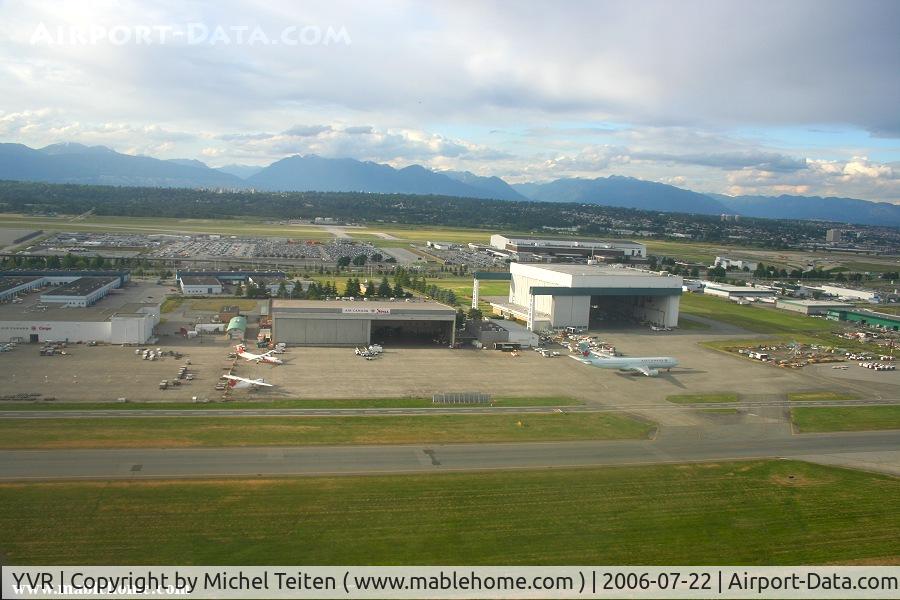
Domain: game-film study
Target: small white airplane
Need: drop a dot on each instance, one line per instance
(267, 357)
(240, 383)
(646, 365)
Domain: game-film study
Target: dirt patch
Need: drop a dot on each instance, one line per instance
(798, 480)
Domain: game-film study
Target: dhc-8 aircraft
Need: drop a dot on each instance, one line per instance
(240, 383)
(267, 357)
(646, 365)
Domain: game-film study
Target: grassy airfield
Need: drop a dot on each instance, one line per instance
(754, 513)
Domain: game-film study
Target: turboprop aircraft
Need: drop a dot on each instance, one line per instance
(241, 383)
(241, 351)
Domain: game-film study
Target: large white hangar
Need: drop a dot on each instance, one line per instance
(591, 296)
(354, 323)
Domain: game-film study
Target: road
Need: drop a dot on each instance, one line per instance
(675, 447)
(355, 412)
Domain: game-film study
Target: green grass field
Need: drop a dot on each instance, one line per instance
(758, 319)
(688, 325)
(814, 419)
(815, 396)
(754, 513)
(241, 226)
(689, 251)
(172, 432)
(879, 267)
(276, 404)
(702, 398)
(216, 304)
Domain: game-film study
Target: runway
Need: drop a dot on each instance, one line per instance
(683, 446)
(351, 412)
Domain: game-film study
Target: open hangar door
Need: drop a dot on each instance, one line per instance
(625, 311)
(412, 333)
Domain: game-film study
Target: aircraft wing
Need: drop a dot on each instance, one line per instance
(642, 370)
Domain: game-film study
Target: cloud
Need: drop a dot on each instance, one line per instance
(307, 130)
(763, 161)
(858, 177)
(684, 92)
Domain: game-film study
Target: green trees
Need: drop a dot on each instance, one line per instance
(352, 288)
(384, 288)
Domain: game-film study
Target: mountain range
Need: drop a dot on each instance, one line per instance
(99, 165)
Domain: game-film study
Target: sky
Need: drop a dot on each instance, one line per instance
(752, 97)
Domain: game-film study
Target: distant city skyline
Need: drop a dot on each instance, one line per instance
(728, 97)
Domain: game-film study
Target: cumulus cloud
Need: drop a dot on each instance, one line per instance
(858, 177)
(763, 161)
(685, 92)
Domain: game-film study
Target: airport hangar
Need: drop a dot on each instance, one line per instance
(359, 322)
(585, 296)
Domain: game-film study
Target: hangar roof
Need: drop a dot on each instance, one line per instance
(8, 283)
(362, 306)
(80, 287)
(200, 280)
(594, 270)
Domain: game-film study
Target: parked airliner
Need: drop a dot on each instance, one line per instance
(646, 365)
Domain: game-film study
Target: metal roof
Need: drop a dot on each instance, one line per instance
(239, 322)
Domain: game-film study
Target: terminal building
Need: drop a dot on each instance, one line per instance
(355, 323)
(585, 296)
(529, 250)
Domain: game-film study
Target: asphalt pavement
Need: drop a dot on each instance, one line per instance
(350, 412)
(680, 446)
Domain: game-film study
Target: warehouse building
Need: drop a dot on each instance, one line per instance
(866, 317)
(552, 251)
(78, 307)
(82, 292)
(61, 276)
(354, 323)
(231, 276)
(811, 307)
(199, 285)
(842, 292)
(271, 284)
(128, 323)
(10, 287)
(736, 263)
(585, 296)
(737, 292)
